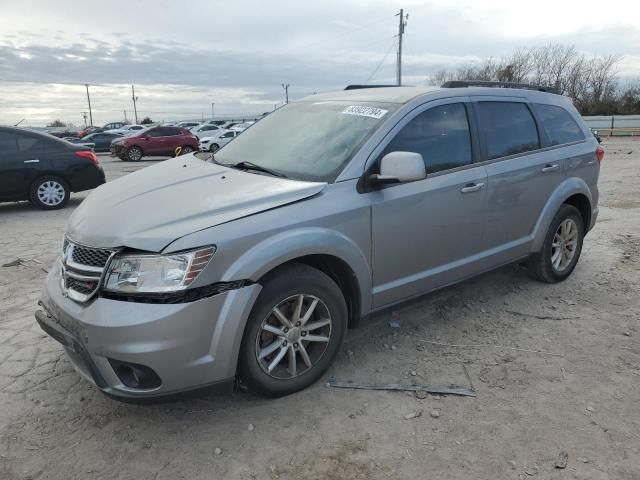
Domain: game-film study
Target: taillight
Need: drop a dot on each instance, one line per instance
(600, 153)
(87, 154)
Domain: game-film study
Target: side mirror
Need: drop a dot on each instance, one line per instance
(399, 167)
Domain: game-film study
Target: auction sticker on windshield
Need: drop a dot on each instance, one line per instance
(363, 111)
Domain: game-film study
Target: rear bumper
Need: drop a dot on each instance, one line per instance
(188, 346)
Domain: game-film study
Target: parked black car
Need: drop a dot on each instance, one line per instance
(101, 141)
(43, 169)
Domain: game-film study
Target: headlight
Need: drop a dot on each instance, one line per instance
(133, 273)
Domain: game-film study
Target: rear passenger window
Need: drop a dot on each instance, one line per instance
(508, 128)
(8, 144)
(440, 135)
(559, 124)
(29, 145)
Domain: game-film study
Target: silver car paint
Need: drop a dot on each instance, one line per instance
(398, 242)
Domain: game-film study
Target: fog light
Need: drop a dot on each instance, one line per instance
(134, 375)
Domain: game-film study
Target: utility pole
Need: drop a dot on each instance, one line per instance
(401, 24)
(84, 117)
(135, 99)
(125, 115)
(212, 105)
(89, 101)
(286, 92)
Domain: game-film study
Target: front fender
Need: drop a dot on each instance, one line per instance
(571, 186)
(289, 245)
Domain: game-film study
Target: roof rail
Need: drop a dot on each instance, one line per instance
(358, 87)
(483, 83)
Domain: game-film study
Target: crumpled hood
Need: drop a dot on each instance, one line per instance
(152, 207)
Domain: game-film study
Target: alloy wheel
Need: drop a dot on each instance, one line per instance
(51, 193)
(564, 245)
(293, 337)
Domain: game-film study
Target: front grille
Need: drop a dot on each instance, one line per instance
(81, 286)
(90, 256)
(82, 269)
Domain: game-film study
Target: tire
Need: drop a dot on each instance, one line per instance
(134, 154)
(49, 192)
(214, 147)
(546, 265)
(283, 289)
(186, 149)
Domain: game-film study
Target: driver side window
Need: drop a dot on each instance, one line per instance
(441, 135)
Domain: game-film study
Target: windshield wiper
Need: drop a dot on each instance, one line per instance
(257, 168)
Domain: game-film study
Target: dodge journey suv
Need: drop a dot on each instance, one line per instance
(251, 264)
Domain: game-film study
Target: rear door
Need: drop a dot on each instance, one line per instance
(425, 234)
(21, 161)
(521, 176)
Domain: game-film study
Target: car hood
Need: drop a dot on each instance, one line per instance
(152, 207)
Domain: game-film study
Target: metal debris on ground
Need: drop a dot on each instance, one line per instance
(393, 324)
(403, 388)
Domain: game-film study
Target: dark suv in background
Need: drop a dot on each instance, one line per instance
(44, 169)
(155, 141)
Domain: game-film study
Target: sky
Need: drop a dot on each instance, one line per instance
(184, 56)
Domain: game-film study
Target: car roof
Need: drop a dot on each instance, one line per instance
(403, 95)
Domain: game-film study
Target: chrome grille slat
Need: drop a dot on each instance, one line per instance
(82, 269)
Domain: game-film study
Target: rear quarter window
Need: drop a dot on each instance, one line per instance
(558, 124)
(508, 128)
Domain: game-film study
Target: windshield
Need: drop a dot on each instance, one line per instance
(308, 140)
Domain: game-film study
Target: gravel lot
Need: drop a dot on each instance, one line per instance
(556, 369)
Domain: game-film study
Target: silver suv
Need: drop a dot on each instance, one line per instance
(252, 264)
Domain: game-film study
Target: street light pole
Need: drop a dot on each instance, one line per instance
(286, 92)
(212, 105)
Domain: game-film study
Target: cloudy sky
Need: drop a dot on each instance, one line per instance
(182, 56)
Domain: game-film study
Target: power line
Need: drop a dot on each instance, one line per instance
(393, 43)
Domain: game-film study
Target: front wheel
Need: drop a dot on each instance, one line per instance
(134, 154)
(294, 331)
(49, 193)
(562, 247)
(214, 147)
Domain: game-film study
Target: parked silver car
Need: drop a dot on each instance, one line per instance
(253, 264)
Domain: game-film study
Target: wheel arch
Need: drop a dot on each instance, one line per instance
(326, 250)
(573, 191)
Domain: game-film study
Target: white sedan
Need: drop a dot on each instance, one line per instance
(218, 140)
(204, 130)
(128, 130)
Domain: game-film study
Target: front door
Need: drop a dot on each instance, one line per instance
(426, 234)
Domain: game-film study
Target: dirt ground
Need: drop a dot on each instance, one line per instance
(556, 368)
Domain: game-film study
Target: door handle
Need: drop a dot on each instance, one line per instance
(472, 187)
(550, 167)
(35, 160)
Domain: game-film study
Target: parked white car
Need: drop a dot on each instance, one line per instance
(128, 129)
(241, 127)
(218, 140)
(204, 130)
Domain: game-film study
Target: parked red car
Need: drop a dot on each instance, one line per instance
(154, 141)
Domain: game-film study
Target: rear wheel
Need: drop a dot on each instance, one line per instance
(294, 331)
(562, 247)
(134, 154)
(186, 149)
(49, 193)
